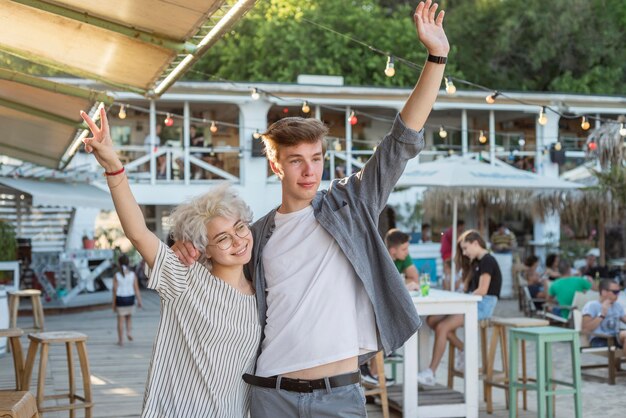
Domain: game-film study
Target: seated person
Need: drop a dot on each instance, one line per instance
(426, 233)
(591, 267)
(604, 316)
(482, 277)
(503, 240)
(398, 246)
(536, 285)
(563, 289)
(552, 267)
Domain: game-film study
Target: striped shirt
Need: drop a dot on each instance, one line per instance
(207, 339)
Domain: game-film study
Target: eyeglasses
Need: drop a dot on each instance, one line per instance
(226, 241)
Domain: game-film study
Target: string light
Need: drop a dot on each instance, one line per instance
(558, 146)
(122, 114)
(305, 107)
(450, 87)
(256, 134)
(622, 129)
(521, 142)
(592, 146)
(213, 127)
(255, 94)
(352, 119)
(442, 133)
(482, 138)
(584, 124)
(491, 99)
(337, 145)
(168, 120)
(390, 70)
(543, 118)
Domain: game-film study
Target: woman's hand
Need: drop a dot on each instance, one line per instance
(430, 28)
(100, 143)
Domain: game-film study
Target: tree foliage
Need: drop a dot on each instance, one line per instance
(574, 46)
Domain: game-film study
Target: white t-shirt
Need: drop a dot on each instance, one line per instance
(317, 309)
(125, 284)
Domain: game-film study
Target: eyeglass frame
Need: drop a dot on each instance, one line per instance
(232, 238)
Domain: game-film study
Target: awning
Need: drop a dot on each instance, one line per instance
(140, 45)
(51, 193)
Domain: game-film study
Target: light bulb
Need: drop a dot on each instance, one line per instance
(543, 119)
(557, 146)
(482, 138)
(491, 99)
(390, 71)
(593, 146)
(122, 114)
(256, 134)
(622, 129)
(521, 142)
(337, 145)
(305, 107)
(255, 94)
(213, 127)
(584, 124)
(353, 119)
(168, 120)
(450, 87)
(442, 132)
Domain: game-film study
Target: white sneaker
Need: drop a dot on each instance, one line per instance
(426, 377)
(459, 361)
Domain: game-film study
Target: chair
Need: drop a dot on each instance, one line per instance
(14, 404)
(544, 337)
(612, 352)
(44, 339)
(381, 388)
(531, 311)
(13, 335)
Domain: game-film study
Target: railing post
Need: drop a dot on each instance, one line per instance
(348, 142)
(186, 142)
(152, 141)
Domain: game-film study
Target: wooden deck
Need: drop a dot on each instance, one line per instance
(118, 374)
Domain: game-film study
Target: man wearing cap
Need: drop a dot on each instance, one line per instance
(591, 266)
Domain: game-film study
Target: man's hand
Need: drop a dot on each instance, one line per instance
(605, 307)
(430, 30)
(186, 252)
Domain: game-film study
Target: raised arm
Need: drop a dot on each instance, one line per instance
(133, 222)
(430, 32)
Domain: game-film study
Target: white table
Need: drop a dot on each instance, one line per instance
(441, 302)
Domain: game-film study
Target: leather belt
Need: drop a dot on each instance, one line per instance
(301, 385)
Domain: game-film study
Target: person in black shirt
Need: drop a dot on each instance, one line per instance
(481, 276)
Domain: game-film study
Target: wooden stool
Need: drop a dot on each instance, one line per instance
(381, 388)
(490, 379)
(17, 405)
(68, 337)
(543, 337)
(13, 335)
(452, 372)
(14, 303)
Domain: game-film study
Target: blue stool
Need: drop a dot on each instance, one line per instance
(543, 337)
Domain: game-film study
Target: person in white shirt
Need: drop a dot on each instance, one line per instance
(125, 291)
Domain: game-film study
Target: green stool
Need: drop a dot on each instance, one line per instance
(543, 337)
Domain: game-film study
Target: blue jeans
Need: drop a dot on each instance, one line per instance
(345, 401)
(486, 307)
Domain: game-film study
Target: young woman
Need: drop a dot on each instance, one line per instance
(125, 291)
(209, 333)
(481, 276)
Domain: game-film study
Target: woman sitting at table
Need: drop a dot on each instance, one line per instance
(481, 276)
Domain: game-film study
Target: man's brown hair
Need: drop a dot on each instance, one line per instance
(395, 238)
(292, 131)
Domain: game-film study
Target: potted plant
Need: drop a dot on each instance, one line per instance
(8, 242)
(89, 243)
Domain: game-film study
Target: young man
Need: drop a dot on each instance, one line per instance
(604, 317)
(397, 243)
(328, 294)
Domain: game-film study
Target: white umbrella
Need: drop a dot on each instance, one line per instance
(464, 173)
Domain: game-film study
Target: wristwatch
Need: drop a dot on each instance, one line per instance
(436, 59)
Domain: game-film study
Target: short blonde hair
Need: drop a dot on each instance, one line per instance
(189, 220)
(291, 131)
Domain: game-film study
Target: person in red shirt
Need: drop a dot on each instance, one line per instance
(446, 250)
